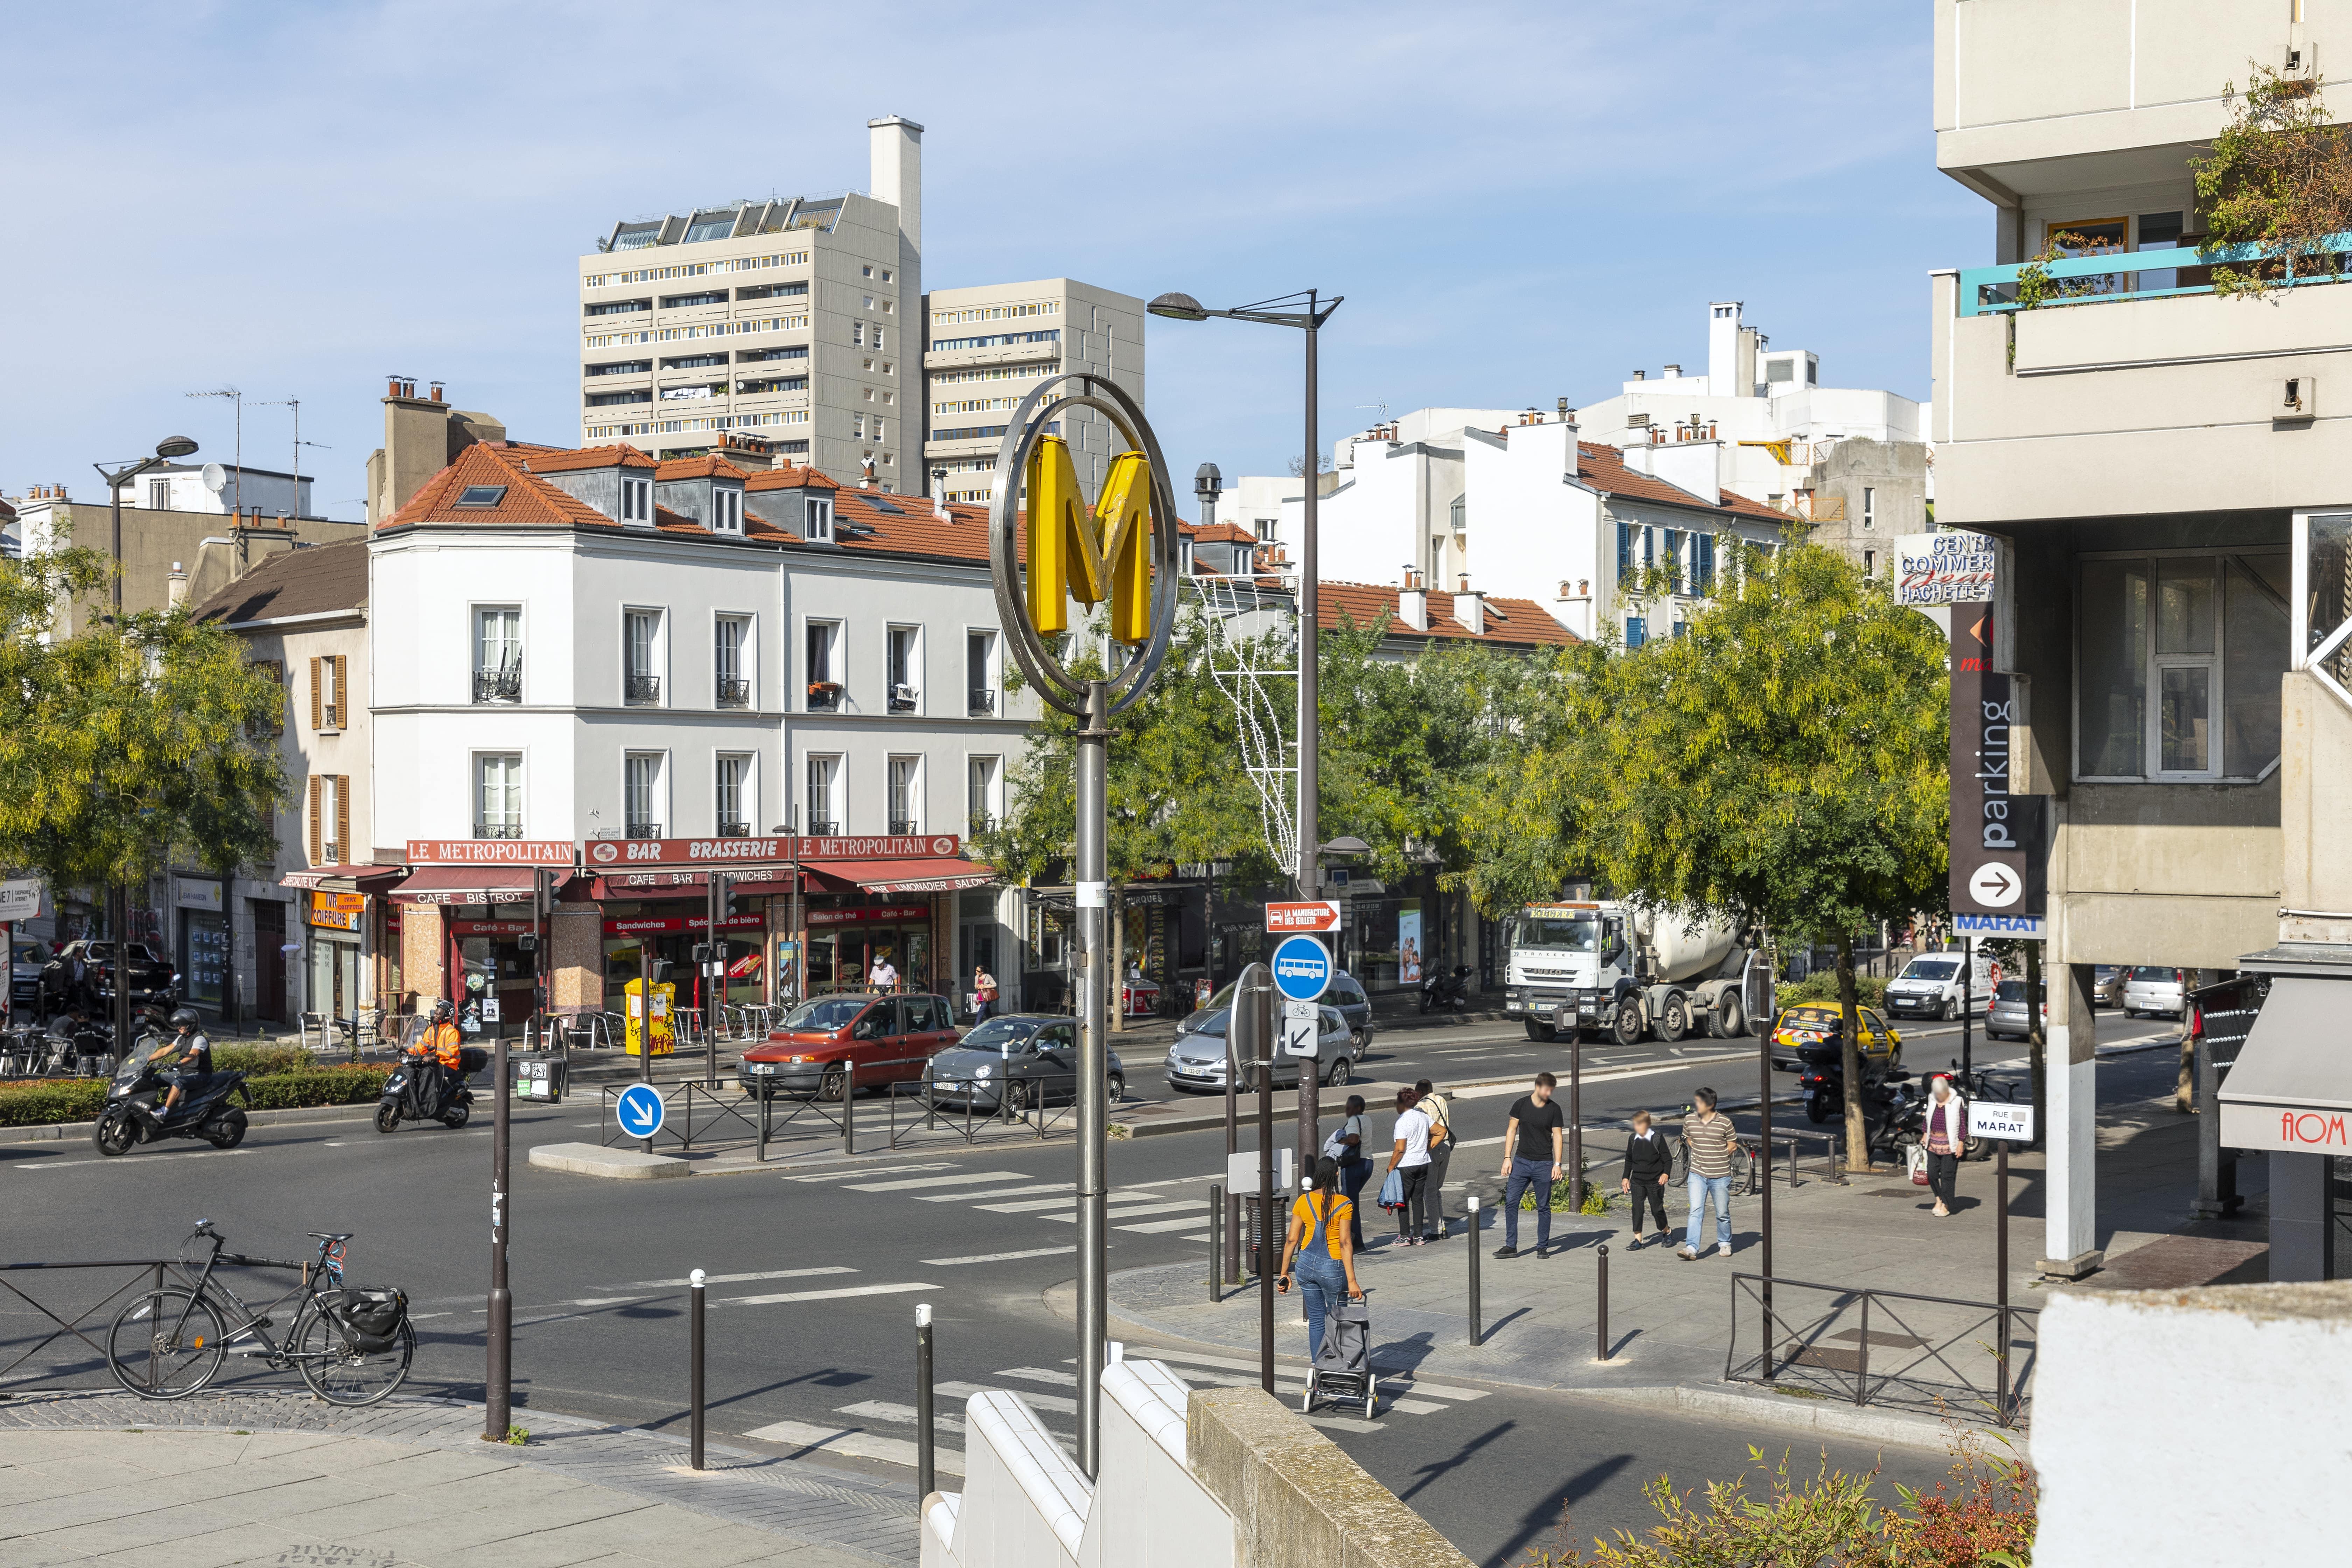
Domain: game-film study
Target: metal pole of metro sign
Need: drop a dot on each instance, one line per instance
(1115, 554)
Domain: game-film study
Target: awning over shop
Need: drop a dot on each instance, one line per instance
(467, 885)
(2291, 1087)
(368, 879)
(930, 874)
(758, 881)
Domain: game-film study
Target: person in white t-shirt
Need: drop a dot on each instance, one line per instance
(1413, 1132)
(882, 976)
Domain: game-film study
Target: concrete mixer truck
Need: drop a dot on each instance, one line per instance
(1627, 968)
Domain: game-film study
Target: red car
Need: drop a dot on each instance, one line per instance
(826, 1045)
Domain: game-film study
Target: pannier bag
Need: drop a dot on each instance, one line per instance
(369, 1316)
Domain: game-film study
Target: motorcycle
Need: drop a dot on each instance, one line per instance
(133, 1110)
(1441, 990)
(405, 1092)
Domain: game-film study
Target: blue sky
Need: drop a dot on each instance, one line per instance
(1520, 202)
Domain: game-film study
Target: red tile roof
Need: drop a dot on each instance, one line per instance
(1604, 469)
(557, 460)
(527, 498)
(1510, 623)
(709, 465)
(791, 478)
(1219, 533)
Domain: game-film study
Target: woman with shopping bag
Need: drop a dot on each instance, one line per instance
(1409, 1164)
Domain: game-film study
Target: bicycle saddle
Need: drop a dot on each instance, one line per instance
(332, 1235)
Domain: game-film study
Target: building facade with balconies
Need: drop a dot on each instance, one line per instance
(989, 345)
(2166, 483)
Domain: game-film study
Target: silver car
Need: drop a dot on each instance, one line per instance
(2150, 992)
(2009, 1017)
(1197, 1060)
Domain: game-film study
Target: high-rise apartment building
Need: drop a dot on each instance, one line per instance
(796, 321)
(989, 345)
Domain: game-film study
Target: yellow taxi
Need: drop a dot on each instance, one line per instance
(1817, 1024)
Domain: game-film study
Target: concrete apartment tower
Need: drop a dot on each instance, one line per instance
(990, 343)
(775, 324)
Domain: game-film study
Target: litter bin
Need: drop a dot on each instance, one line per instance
(1253, 1237)
(538, 1079)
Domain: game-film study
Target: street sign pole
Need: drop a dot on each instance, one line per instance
(1251, 1028)
(1095, 987)
(499, 1377)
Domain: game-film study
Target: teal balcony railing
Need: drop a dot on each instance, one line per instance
(2118, 275)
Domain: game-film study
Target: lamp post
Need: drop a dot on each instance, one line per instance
(118, 901)
(1307, 310)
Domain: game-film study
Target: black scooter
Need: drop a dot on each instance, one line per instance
(133, 1113)
(405, 1092)
(1440, 990)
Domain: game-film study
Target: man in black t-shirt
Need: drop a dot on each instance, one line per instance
(1531, 1155)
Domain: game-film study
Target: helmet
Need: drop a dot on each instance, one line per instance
(441, 1010)
(185, 1018)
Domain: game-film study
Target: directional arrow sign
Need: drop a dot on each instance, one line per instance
(639, 1112)
(1995, 885)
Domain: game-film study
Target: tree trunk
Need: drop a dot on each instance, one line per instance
(1857, 1131)
(2034, 1035)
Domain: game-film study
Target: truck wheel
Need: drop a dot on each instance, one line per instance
(1626, 1028)
(1538, 1030)
(1730, 1019)
(1673, 1018)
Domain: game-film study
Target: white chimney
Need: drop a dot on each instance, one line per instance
(1470, 606)
(1412, 603)
(897, 148)
(1723, 350)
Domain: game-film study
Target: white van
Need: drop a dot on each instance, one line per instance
(1929, 986)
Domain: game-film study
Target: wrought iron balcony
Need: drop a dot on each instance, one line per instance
(824, 827)
(645, 830)
(734, 693)
(905, 827)
(638, 689)
(979, 703)
(823, 696)
(497, 685)
(497, 830)
(734, 830)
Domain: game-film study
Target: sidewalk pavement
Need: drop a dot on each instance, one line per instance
(282, 1480)
(1670, 1321)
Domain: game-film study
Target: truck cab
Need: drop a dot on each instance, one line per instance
(1627, 969)
(1567, 957)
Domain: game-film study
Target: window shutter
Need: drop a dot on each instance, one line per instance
(317, 711)
(315, 859)
(342, 691)
(342, 811)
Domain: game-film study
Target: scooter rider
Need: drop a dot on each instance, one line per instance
(191, 1065)
(435, 1058)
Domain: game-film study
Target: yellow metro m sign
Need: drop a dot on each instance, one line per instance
(1090, 553)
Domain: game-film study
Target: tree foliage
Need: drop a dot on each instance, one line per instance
(127, 740)
(2279, 174)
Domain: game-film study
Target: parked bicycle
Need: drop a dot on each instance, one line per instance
(352, 1346)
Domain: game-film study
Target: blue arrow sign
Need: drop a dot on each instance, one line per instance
(639, 1110)
(1302, 968)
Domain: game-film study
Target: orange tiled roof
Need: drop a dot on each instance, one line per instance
(792, 478)
(1510, 623)
(527, 498)
(1605, 469)
(558, 460)
(1220, 533)
(709, 465)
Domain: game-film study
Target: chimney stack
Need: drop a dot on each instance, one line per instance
(1413, 601)
(175, 587)
(1470, 607)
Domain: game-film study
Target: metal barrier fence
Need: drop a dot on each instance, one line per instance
(1934, 1354)
(678, 1102)
(1041, 1102)
(148, 1272)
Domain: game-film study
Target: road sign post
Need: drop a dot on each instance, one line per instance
(1302, 972)
(640, 1112)
(2005, 1125)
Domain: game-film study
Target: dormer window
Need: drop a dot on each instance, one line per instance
(637, 500)
(820, 520)
(727, 510)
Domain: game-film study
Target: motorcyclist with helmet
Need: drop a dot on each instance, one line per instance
(434, 1059)
(192, 1059)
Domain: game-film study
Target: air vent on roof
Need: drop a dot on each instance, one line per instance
(482, 495)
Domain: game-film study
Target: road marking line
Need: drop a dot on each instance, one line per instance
(962, 1180)
(1067, 1406)
(727, 1279)
(1132, 1212)
(999, 1256)
(1040, 1374)
(1030, 1206)
(107, 1159)
(844, 1175)
(1164, 1225)
(1007, 1193)
(825, 1295)
(1345, 1424)
(854, 1442)
(904, 1414)
(1441, 1390)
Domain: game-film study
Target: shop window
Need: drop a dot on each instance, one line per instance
(2177, 662)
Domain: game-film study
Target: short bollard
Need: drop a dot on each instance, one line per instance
(1216, 1241)
(1602, 1299)
(849, 1112)
(696, 1292)
(1477, 1334)
(926, 1452)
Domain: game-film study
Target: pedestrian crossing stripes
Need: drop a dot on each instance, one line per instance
(1161, 1209)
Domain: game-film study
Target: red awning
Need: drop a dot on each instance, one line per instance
(467, 885)
(767, 881)
(930, 874)
(343, 879)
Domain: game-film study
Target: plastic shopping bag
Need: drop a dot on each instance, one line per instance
(1916, 1155)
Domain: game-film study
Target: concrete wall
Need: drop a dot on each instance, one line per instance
(2147, 1402)
(155, 542)
(2315, 733)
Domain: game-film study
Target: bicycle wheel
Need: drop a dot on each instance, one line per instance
(165, 1344)
(341, 1375)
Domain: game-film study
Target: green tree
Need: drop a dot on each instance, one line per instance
(1785, 762)
(128, 739)
(2279, 175)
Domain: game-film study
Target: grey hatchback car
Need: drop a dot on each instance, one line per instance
(1344, 992)
(1197, 1059)
(2010, 1019)
(1017, 1062)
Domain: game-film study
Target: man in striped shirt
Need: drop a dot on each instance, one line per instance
(1708, 1140)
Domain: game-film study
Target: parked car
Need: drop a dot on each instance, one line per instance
(26, 960)
(1197, 1060)
(1930, 987)
(1014, 1062)
(2150, 992)
(151, 977)
(2107, 985)
(2009, 1020)
(1816, 1023)
(1344, 992)
(830, 1045)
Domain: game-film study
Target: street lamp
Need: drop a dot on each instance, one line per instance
(118, 905)
(1307, 310)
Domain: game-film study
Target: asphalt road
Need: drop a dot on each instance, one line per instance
(815, 1273)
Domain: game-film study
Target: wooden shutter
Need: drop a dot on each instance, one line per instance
(315, 859)
(343, 811)
(342, 691)
(317, 710)
(276, 669)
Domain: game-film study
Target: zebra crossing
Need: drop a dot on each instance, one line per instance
(1161, 1208)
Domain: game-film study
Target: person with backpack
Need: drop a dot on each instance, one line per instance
(1409, 1163)
(1345, 1148)
(1441, 1153)
(1318, 1251)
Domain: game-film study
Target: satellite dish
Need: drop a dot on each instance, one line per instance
(215, 478)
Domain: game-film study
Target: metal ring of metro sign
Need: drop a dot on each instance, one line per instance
(1119, 550)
